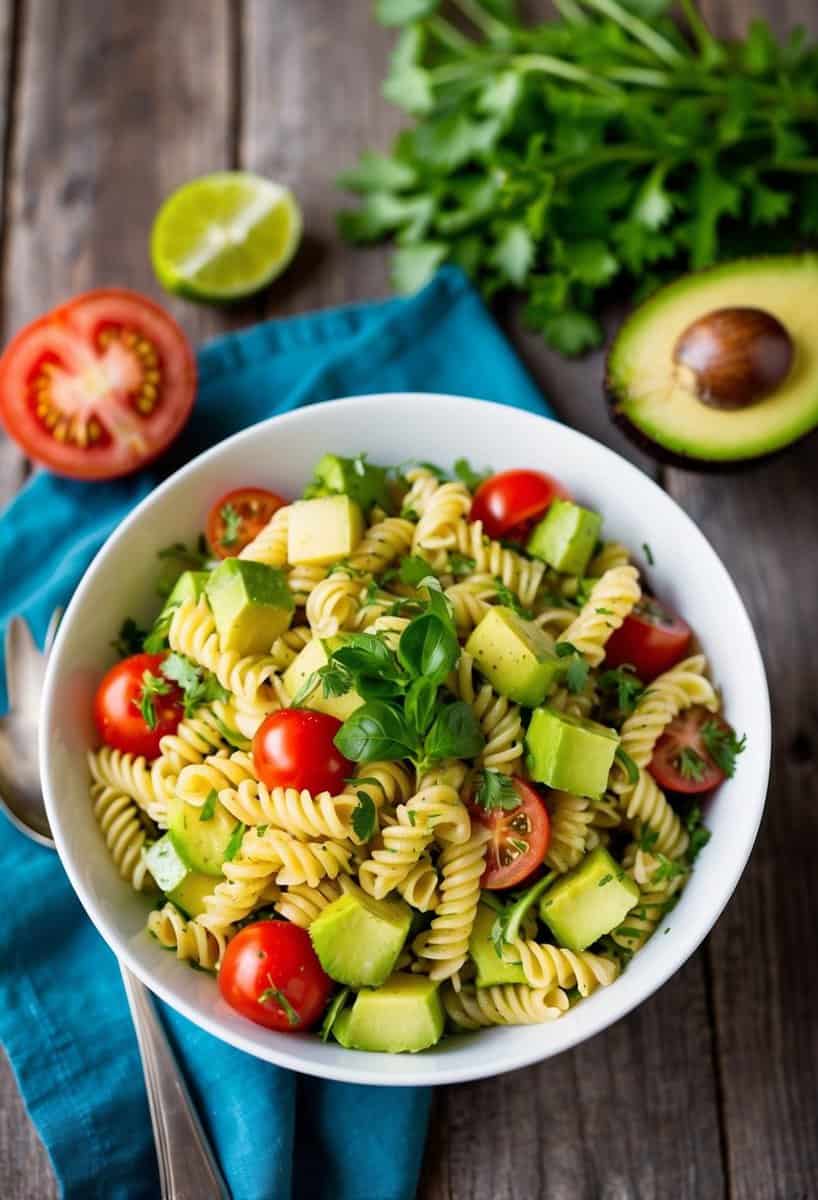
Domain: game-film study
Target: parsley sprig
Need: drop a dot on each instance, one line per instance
(723, 745)
(232, 519)
(496, 790)
(608, 146)
(198, 686)
(152, 686)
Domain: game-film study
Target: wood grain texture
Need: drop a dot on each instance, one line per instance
(12, 463)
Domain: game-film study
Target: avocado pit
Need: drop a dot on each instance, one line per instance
(733, 357)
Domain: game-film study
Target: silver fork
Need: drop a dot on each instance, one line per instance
(187, 1167)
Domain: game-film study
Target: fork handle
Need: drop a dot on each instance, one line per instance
(187, 1167)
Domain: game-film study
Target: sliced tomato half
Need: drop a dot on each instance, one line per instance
(651, 639)
(519, 838)
(99, 386)
(683, 760)
(237, 517)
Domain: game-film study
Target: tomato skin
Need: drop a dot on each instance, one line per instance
(66, 341)
(684, 732)
(509, 503)
(294, 748)
(652, 639)
(274, 955)
(116, 707)
(529, 822)
(255, 507)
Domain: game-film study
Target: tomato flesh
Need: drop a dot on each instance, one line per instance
(238, 517)
(519, 838)
(295, 748)
(99, 386)
(651, 639)
(509, 504)
(117, 706)
(271, 975)
(681, 760)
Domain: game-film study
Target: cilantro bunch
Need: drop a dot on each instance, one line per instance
(608, 146)
(404, 715)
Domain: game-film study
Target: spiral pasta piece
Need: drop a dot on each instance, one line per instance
(520, 575)
(125, 835)
(571, 817)
(333, 605)
(499, 719)
(286, 648)
(196, 737)
(270, 544)
(218, 771)
(300, 813)
(611, 599)
(656, 895)
(646, 805)
(669, 694)
(612, 554)
(423, 486)
(546, 966)
(508, 1004)
(470, 601)
(420, 887)
(445, 945)
(268, 856)
(303, 579)
(193, 633)
(382, 543)
(434, 812)
(436, 531)
(301, 904)
(131, 774)
(192, 942)
(576, 704)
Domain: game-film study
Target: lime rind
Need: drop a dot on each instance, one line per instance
(224, 236)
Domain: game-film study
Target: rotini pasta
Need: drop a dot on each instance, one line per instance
(446, 943)
(546, 966)
(571, 818)
(509, 1004)
(270, 546)
(499, 719)
(124, 833)
(191, 941)
(610, 601)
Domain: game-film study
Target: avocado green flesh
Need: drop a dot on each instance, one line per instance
(644, 384)
(491, 969)
(251, 603)
(406, 1014)
(588, 901)
(358, 939)
(565, 537)
(570, 753)
(201, 845)
(514, 655)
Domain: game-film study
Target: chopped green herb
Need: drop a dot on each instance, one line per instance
(129, 639)
(723, 746)
(605, 879)
(275, 994)
(460, 564)
(625, 685)
(233, 845)
(364, 817)
(232, 524)
(198, 686)
(510, 600)
(648, 554)
(336, 1005)
(152, 686)
(631, 769)
(699, 834)
(466, 474)
(576, 676)
(690, 764)
(496, 790)
(208, 809)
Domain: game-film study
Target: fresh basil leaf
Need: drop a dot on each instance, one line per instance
(429, 647)
(376, 731)
(420, 704)
(364, 817)
(336, 1005)
(454, 734)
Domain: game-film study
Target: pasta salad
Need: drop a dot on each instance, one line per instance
(416, 753)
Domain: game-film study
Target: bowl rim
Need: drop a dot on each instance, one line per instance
(413, 1074)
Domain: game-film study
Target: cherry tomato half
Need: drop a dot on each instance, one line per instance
(652, 639)
(236, 519)
(134, 684)
(508, 504)
(98, 386)
(295, 748)
(519, 840)
(682, 761)
(271, 975)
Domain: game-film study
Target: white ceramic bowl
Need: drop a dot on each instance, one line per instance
(392, 428)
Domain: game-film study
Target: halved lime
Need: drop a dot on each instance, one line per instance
(224, 236)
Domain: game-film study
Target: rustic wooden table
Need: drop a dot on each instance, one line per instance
(711, 1088)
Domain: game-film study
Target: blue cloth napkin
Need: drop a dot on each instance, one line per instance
(63, 1018)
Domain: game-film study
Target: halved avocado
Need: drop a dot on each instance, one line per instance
(654, 398)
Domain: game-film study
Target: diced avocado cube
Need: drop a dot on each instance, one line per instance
(362, 481)
(200, 840)
(490, 967)
(515, 655)
(322, 531)
(251, 604)
(405, 1014)
(565, 537)
(189, 586)
(309, 660)
(569, 753)
(190, 894)
(589, 901)
(359, 939)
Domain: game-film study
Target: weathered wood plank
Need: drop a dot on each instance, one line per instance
(116, 104)
(763, 524)
(12, 463)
